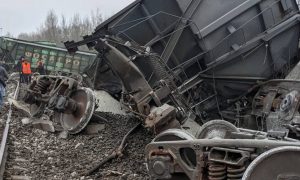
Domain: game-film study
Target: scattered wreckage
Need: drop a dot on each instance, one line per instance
(71, 103)
(181, 67)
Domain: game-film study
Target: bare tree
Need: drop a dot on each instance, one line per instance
(57, 30)
(75, 28)
(96, 17)
(87, 26)
(49, 30)
(64, 28)
(8, 35)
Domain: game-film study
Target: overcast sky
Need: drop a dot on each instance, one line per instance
(18, 16)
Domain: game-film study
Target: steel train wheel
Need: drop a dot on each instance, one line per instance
(76, 122)
(280, 164)
(216, 129)
(188, 155)
(173, 135)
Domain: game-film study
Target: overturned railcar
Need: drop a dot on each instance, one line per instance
(179, 60)
(213, 50)
(231, 44)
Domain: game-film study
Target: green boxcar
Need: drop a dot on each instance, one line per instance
(54, 58)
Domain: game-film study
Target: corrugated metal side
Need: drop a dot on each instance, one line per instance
(253, 39)
(54, 58)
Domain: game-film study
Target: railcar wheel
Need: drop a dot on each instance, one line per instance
(173, 135)
(280, 163)
(216, 129)
(187, 154)
(76, 121)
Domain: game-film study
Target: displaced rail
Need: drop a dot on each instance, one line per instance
(4, 147)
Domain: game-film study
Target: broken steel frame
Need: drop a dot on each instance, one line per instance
(144, 100)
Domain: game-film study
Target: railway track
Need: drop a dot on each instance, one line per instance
(5, 128)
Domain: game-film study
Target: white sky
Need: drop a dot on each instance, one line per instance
(18, 16)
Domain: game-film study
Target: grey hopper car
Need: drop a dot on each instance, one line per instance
(215, 49)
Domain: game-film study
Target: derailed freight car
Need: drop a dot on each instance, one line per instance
(209, 53)
(196, 60)
(54, 58)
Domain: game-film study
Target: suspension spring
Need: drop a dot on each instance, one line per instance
(235, 172)
(216, 171)
(41, 86)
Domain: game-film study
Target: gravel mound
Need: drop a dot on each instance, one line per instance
(41, 155)
(35, 154)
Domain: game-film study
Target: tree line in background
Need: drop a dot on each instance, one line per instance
(59, 29)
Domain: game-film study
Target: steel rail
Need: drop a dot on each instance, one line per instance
(3, 147)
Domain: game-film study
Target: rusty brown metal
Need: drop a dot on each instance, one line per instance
(217, 158)
(72, 104)
(160, 117)
(139, 94)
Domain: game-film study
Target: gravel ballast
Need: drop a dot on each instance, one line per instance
(36, 154)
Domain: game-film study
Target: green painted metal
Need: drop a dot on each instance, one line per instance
(54, 58)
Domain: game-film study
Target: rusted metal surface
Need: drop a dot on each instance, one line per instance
(227, 150)
(75, 117)
(73, 105)
(284, 162)
(215, 158)
(143, 94)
